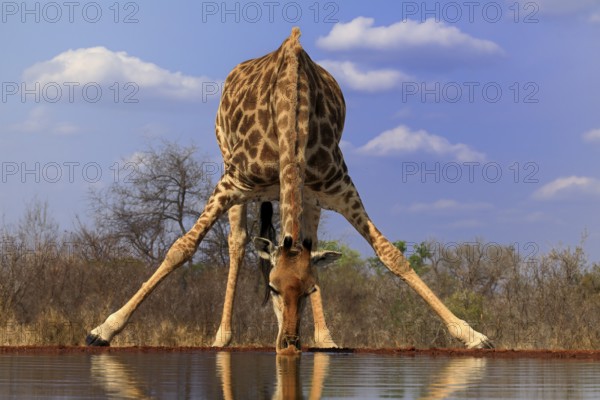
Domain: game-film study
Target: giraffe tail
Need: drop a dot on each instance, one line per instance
(267, 231)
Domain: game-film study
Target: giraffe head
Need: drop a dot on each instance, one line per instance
(291, 280)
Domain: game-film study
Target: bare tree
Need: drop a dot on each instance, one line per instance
(162, 193)
(37, 230)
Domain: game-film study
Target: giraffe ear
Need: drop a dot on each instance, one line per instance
(321, 259)
(264, 247)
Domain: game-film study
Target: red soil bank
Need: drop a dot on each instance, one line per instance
(406, 352)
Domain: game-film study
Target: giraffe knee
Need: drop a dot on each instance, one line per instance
(393, 258)
(179, 253)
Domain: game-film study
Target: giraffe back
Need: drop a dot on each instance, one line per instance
(279, 109)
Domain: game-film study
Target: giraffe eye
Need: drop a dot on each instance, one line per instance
(273, 290)
(311, 290)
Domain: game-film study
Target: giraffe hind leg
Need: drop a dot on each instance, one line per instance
(237, 239)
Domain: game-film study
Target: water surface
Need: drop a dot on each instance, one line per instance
(260, 375)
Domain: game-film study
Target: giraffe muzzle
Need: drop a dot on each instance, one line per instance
(291, 342)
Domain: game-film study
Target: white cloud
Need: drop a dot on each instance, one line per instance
(592, 135)
(39, 120)
(402, 140)
(104, 67)
(361, 34)
(595, 17)
(369, 81)
(568, 187)
(448, 205)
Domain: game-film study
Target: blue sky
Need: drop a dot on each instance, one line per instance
(464, 120)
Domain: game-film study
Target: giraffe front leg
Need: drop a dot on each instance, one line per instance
(238, 238)
(223, 197)
(322, 338)
(349, 204)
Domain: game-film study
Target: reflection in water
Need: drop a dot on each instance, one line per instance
(119, 380)
(320, 368)
(458, 374)
(116, 378)
(288, 384)
(259, 375)
(224, 372)
(288, 378)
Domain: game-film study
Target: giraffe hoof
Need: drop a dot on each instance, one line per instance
(222, 338)
(484, 343)
(96, 341)
(326, 345)
(323, 340)
(220, 343)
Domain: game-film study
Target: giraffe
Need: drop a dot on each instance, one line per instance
(279, 125)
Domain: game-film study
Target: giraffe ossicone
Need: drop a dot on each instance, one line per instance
(278, 126)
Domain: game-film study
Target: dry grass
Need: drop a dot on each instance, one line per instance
(52, 295)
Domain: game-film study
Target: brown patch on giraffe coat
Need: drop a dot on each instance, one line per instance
(319, 105)
(266, 78)
(247, 123)
(326, 134)
(335, 189)
(348, 196)
(313, 134)
(236, 119)
(253, 152)
(240, 160)
(254, 138)
(263, 119)
(320, 159)
(332, 176)
(225, 103)
(317, 186)
(267, 154)
(249, 102)
(227, 185)
(255, 169)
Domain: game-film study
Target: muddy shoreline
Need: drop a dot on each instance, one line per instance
(405, 352)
